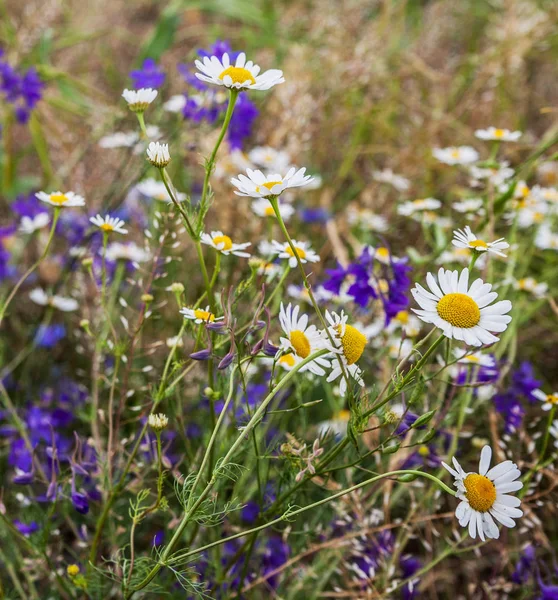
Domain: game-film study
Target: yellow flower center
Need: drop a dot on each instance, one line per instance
(106, 227)
(300, 343)
(454, 153)
(353, 342)
(343, 415)
(471, 359)
(287, 359)
(481, 492)
(498, 133)
(269, 212)
(459, 309)
(204, 315)
(300, 252)
(382, 253)
(238, 75)
(383, 285)
(59, 198)
(424, 450)
(223, 239)
(552, 398)
(402, 317)
(270, 184)
(538, 217)
(526, 284)
(478, 244)
(72, 570)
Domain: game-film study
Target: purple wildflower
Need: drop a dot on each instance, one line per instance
(149, 76)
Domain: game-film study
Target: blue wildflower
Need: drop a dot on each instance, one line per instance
(48, 336)
(22, 90)
(149, 76)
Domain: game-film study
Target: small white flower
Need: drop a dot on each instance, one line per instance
(399, 182)
(461, 256)
(422, 204)
(199, 315)
(485, 496)
(528, 284)
(139, 100)
(477, 359)
(241, 76)
(497, 176)
(303, 251)
(337, 425)
(363, 217)
(156, 189)
(456, 155)
(548, 400)
(263, 208)
(467, 239)
(29, 225)
(175, 104)
(405, 322)
(224, 244)
(108, 224)
(461, 311)
(158, 154)
(301, 341)
(554, 432)
(158, 421)
(469, 205)
(39, 296)
(59, 199)
(119, 139)
(174, 341)
(498, 135)
(270, 159)
(131, 252)
(546, 239)
(258, 185)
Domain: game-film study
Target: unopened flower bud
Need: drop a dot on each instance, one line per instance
(158, 421)
(158, 154)
(72, 570)
(147, 298)
(87, 262)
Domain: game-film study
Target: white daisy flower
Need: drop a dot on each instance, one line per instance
(398, 348)
(548, 400)
(301, 340)
(303, 251)
(469, 205)
(485, 496)
(241, 76)
(477, 359)
(119, 139)
(269, 158)
(349, 344)
(498, 135)
(29, 225)
(429, 217)
(224, 244)
(40, 297)
(382, 255)
(467, 239)
(264, 267)
(175, 104)
(528, 284)
(462, 312)
(456, 155)
(461, 256)
(546, 239)
(258, 185)
(399, 182)
(545, 194)
(108, 224)
(199, 315)
(497, 175)
(131, 252)
(337, 425)
(139, 100)
(263, 208)
(363, 217)
(410, 208)
(158, 154)
(157, 190)
(406, 322)
(59, 199)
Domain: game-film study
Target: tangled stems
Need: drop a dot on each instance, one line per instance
(191, 510)
(33, 267)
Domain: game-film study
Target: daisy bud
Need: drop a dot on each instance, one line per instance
(177, 288)
(139, 100)
(72, 570)
(87, 262)
(158, 422)
(146, 298)
(158, 154)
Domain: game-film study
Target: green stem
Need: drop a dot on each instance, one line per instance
(141, 121)
(279, 284)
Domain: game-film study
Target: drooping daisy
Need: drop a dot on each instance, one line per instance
(199, 315)
(263, 208)
(467, 239)
(139, 100)
(29, 225)
(410, 208)
(548, 400)
(157, 190)
(528, 284)
(303, 251)
(241, 76)
(498, 135)
(463, 313)
(109, 224)
(349, 344)
(485, 496)
(456, 155)
(399, 182)
(258, 185)
(59, 199)
(302, 340)
(158, 154)
(269, 158)
(224, 244)
(131, 252)
(40, 297)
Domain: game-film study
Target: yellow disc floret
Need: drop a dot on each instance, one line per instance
(238, 75)
(223, 239)
(72, 570)
(353, 342)
(59, 198)
(478, 244)
(459, 310)
(106, 227)
(498, 133)
(300, 343)
(204, 315)
(287, 359)
(552, 398)
(481, 492)
(300, 252)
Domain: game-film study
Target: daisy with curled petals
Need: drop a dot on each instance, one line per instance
(240, 76)
(301, 340)
(263, 208)
(59, 199)
(467, 239)
(456, 155)
(348, 346)
(303, 251)
(497, 135)
(258, 185)
(109, 224)
(139, 100)
(548, 400)
(158, 154)
(199, 315)
(40, 297)
(224, 244)
(485, 496)
(462, 312)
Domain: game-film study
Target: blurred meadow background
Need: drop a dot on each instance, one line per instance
(97, 499)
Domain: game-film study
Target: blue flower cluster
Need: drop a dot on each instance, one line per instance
(149, 76)
(21, 89)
